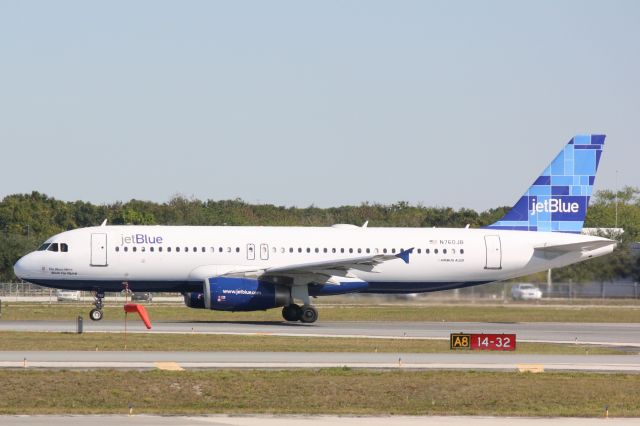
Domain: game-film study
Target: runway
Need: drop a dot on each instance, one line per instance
(619, 335)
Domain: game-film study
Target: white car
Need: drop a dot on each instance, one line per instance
(525, 292)
(66, 295)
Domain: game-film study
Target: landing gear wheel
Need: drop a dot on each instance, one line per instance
(309, 314)
(95, 314)
(292, 312)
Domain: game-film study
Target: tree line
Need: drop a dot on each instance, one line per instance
(26, 220)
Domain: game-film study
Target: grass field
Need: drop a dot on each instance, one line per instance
(448, 313)
(330, 391)
(17, 341)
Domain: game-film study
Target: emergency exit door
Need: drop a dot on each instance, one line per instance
(98, 249)
(494, 252)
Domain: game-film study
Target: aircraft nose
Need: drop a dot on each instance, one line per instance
(21, 268)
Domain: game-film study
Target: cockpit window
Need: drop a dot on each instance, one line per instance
(44, 247)
(64, 247)
(53, 247)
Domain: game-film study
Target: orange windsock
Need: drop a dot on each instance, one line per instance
(134, 307)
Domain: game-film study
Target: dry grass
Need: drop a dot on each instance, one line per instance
(31, 341)
(332, 391)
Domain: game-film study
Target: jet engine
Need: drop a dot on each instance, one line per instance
(238, 294)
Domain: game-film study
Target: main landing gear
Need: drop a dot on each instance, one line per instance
(305, 313)
(96, 313)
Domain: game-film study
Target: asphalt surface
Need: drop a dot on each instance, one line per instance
(617, 335)
(280, 360)
(597, 333)
(305, 420)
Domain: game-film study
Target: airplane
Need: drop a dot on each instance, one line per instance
(248, 268)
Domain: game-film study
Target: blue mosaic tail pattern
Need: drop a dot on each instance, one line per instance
(558, 199)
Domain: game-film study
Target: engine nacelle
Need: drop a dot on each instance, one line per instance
(238, 294)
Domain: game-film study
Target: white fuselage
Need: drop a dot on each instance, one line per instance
(179, 258)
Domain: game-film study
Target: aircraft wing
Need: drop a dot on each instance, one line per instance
(323, 270)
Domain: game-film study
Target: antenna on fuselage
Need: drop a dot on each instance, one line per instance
(364, 225)
(104, 222)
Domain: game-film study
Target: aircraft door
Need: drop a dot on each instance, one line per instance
(98, 249)
(264, 251)
(494, 252)
(251, 252)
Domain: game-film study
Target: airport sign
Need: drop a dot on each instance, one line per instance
(481, 341)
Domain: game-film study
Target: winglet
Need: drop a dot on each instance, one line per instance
(404, 255)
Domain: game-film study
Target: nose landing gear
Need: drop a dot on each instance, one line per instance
(96, 313)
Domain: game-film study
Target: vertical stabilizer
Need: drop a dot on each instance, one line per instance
(558, 199)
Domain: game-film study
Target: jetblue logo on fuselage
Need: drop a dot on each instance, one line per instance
(140, 239)
(553, 205)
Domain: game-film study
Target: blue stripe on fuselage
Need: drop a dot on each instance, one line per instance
(379, 287)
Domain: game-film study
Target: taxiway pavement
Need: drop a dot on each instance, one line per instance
(627, 334)
(266, 420)
(282, 360)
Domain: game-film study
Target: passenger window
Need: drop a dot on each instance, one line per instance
(435, 251)
(308, 250)
(135, 248)
(117, 248)
(317, 250)
(228, 249)
(350, 250)
(177, 249)
(325, 250)
(290, 249)
(368, 250)
(333, 250)
(461, 251)
(342, 250)
(126, 249)
(53, 247)
(237, 249)
(151, 249)
(444, 251)
(169, 249)
(143, 249)
(64, 247)
(384, 250)
(160, 249)
(220, 249)
(393, 250)
(419, 251)
(203, 250)
(186, 249)
(427, 251)
(299, 249)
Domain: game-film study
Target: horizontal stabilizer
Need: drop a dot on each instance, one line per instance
(572, 247)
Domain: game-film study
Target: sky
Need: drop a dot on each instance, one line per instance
(326, 103)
